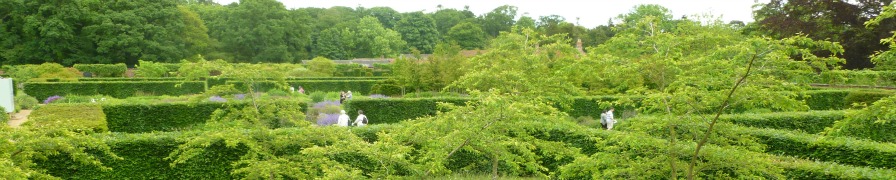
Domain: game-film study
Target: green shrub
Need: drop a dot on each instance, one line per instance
(103, 70)
(4, 117)
(810, 122)
(392, 110)
(25, 73)
(317, 96)
(877, 122)
(86, 118)
(843, 150)
(24, 101)
(120, 89)
(322, 66)
(838, 99)
(142, 117)
(151, 69)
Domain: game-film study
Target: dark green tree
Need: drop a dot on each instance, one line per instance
(468, 35)
(419, 31)
(499, 19)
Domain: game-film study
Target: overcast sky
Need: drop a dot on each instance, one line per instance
(590, 13)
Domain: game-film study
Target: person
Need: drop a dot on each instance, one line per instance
(292, 89)
(361, 121)
(349, 95)
(343, 119)
(341, 96)
(301, 90)
(606, 119)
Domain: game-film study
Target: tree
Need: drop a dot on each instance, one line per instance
(264, 31)
(525, 22)
(387, 16)
(467, 35)
(419, 31)
(445, 19)
(884, 60)
(499, 19)
(322, 66)
(373, 40)
(195, 34)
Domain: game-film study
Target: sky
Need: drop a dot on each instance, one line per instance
(590, 13)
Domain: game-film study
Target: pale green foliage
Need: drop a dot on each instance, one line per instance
(885, 60)
(371, 37)
(21, 146)
(200, 68)
(322, 66)
(151, 69)
(467, 35)
(25, 73)
(433, 74)
(518, 63)
(875, 122)
(499, 126)
(24, 101)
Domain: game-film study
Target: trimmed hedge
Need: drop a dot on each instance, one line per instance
(86, 118)
(838, 99)
(592, 106)
(138, 118)
(115, 89)
(133, 79)
(865, 77)
(393, 110)
(811, 122)
(825, 148)
(144, 158)
(103, 70)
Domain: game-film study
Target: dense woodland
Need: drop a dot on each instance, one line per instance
(90, 31)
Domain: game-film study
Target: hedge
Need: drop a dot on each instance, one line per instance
(866, 77)
(810, 122)
(595, 105)
(841, 150)
(138, 118)
(87, 118)
(144, 158)
(115, 89)
(134, 79)
(103, 70)
(393, 110)
(838, 99)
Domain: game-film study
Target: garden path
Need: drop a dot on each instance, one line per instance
(19, 118)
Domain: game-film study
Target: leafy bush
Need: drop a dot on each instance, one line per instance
(46, 70)
(115, 89)
(837, 99)
(103, 70)
(86, 118)
(809, 122)
(322, 66)
(393, 110)
(24, 101)
(151, 69)
(317, 96)
(4, 117)
(877, 122)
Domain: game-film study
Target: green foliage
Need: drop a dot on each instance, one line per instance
(4, 117)
(24, 101)
(847, 77)
(103, 70)
(843, 150)
(151, 69)
(119, 89)
(419, 31)
(810, 122)
(876, 122)
(84, 118)
(322, 66)
(142, 117)
(467, 35)
(200, 69)
(22, 147)
(352, 70)
(838, 99)
(24, 73)
(393, 110)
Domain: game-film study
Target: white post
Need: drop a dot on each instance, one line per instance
(6, 96)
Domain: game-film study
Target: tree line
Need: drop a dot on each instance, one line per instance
(125, 31)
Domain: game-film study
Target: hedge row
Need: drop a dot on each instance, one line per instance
(87, 118)
(115, 89)
(393, 110)
(825, 148)
(810, 122)
(837, 99)
(103, 70)
(138, 118)
(846, 77)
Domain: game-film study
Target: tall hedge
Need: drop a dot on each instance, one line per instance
(87, 118)
(393, 110)
(122, 89)
(843, 150)
(144, 158)
(139, 118)
(838, 99)
(103, 70)
(809, 122)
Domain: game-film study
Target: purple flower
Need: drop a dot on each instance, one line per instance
(378, 96)
(239, 96)
(217, 99)
(323, 104)
(52, 98)
(327, 119)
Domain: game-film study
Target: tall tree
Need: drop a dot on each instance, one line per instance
(468, 35)
(419, 31)
(371, 39)
(264, 31)
(499, 19)
(839, 21)
(387, 16)
(445, 19)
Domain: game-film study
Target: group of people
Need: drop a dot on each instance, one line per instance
(301, 90)
(361, 120)
(344, 96)
(607, 120)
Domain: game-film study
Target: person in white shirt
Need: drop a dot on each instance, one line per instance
(361, 120)
(343, 119)
(607, 119)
